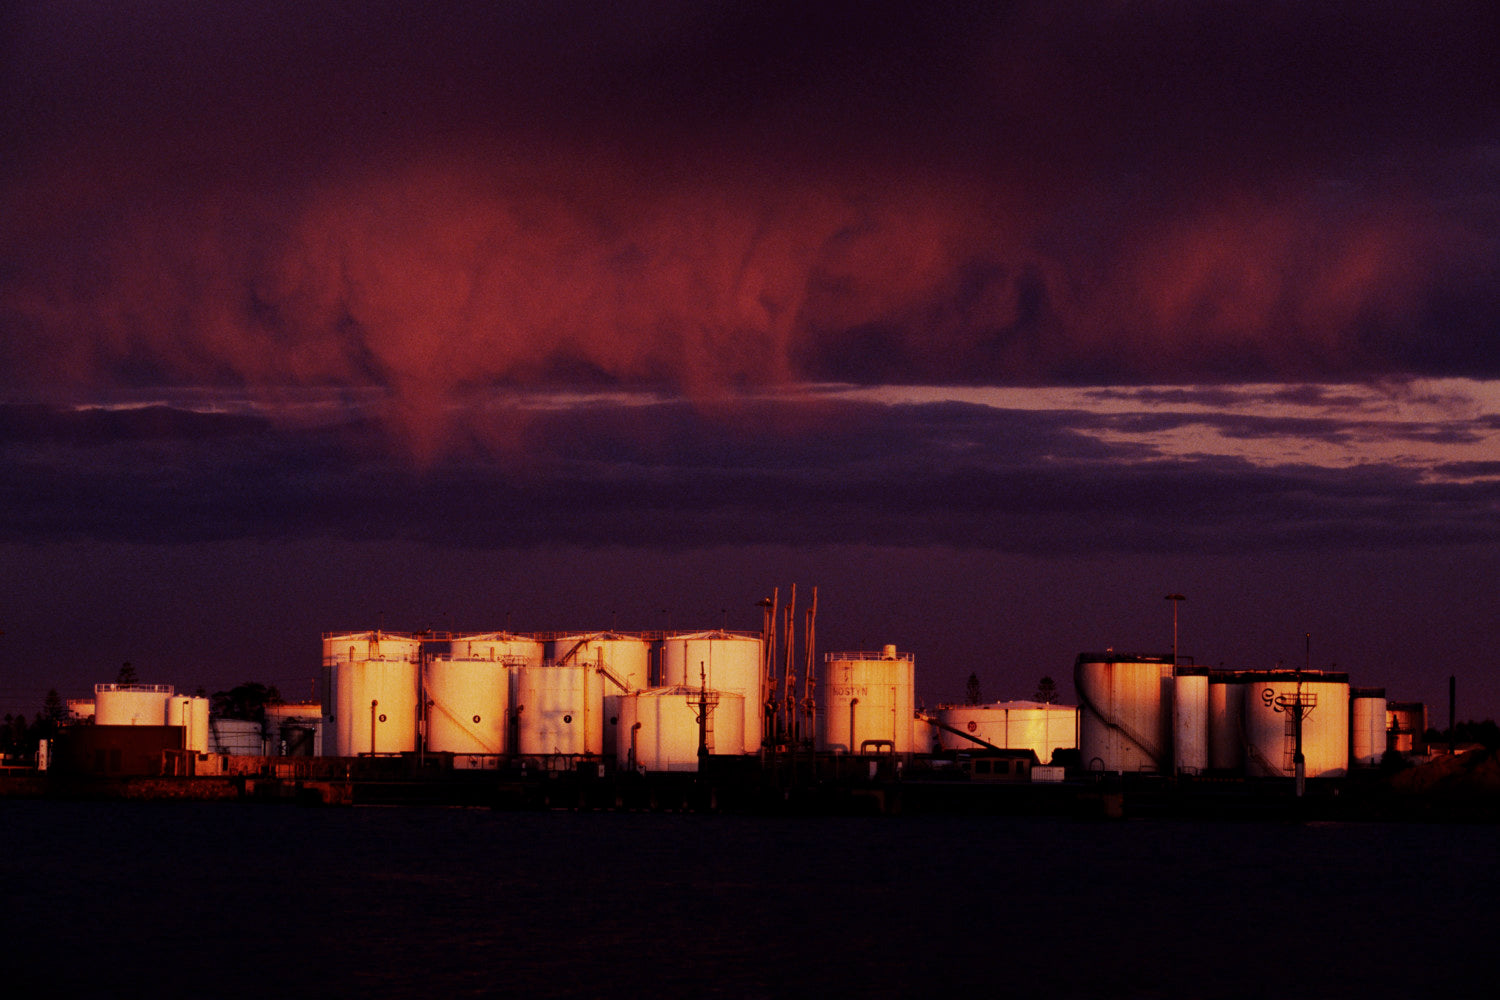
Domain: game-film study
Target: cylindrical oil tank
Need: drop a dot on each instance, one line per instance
(347, 647)
(294, 729)
(80, 708)
(925, 737)
(1190, 719)
(1366, 726)
(659, 729)
(726, 662)
(1406, 726)
(468, 702)
(1226, 721)
(374, 702)
(498, 646)
(624, 661)
(1125, 712)
(1037, 726)
(191, 713)
(559, 708)
(236, 737)
(131, 704)
(868, 702)
(1271, 700)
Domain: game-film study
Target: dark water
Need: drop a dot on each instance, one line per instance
(236, 900)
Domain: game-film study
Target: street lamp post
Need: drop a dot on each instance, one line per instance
(1176, 599)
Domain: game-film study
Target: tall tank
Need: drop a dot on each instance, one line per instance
(371, 692)
(1226, 720)
(131, 704)
(1190, 714)
(191, 713)
(659, 729)
(625, 660)
(868, 702)
(1270, 723)
(1366, 726)
(728, 662)
(1125, 712)
(468, 702)
(294, 729)
(559, 708)
(498, 646)
(1037, 726)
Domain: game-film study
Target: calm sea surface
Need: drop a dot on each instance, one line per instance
(205, 899)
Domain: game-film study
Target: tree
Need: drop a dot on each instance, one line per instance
(126, 674)
(1046, 691)
(971, 691)
(245, 701)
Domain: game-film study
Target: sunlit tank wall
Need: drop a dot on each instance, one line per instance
(559, 708)
(731, 663)
(1011, 725)
(1190, 712)
(1125, 723)
(1366, 726)
(1406, 726)
(468, 702)
(191, 713)
(1269, 729)
(295, 729)
(925, 737)
(131, 704)
(657, 729)
(626, 659)
(236, 738)
(80, 708)
(499, 646)
(371, 692)
(1226, 721)
(867, 697)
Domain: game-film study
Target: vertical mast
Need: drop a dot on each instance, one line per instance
(789, 695)
(809, 705)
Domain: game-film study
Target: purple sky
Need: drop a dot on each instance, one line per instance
(997, 327)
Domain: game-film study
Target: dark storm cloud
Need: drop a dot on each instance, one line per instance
(702, 198)
(666, 477)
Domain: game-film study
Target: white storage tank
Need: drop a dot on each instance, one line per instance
(1366, 726)
(497, 646)
(1125, 711)
(868, 702)
(1037, 726)
(1190, 712)
(559, 708)
(236, 738)
(294, 729)
(468, 703)
(1226, 720)
(131, 704)
(191, 713)
(1270, 727)
(727, 662)
(925, 737)
(371, 693)
(624, 659)
(658, 729)
(80, 708)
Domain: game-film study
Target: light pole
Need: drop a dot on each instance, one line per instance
(1176, 599)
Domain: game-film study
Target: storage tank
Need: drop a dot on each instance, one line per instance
(498, 646)
(1226, 721)
(1406, 726)
(1270, 725)
(131, 704)
(468, 703)
(1125, 712)
(925, 737)
(625, 659)
(80, 708)
(868, 702)
(191, 713)
(658, 729)
(1190, 719)
(1037, 726)
(559, 708)
(727, 662)
(371, 693)
(294, 729)
(1366, 726)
